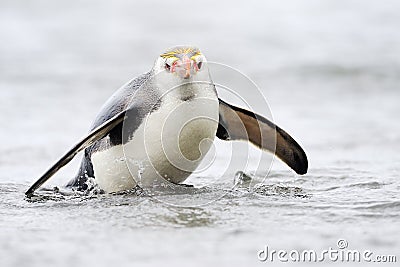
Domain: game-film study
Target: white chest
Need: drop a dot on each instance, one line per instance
(169, 144)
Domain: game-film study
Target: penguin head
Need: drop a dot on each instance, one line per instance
(181, 62)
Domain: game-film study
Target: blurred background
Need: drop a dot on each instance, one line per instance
(330, 71)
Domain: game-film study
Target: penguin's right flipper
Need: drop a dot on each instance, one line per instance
(97, 133)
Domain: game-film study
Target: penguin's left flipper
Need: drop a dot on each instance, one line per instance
(239, 124)
(88, 140)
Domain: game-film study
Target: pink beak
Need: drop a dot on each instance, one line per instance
(183, 67)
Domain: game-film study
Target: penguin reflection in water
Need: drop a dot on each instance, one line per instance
(165, 121)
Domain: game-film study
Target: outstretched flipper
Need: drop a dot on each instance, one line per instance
(239, 124)
(96, 134)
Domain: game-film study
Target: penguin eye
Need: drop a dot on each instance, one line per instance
(199, 64)
(167, 67)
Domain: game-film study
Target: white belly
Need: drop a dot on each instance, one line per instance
(169, 144)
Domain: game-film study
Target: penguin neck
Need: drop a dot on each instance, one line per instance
(174, 88)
